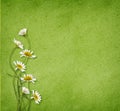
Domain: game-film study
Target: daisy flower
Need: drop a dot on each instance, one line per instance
(18, 43)
(28, 78)
(36, 96)
(27, 53)
(25, 90)
(19, 66)
(22, 32)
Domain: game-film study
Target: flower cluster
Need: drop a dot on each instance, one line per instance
(20, 71)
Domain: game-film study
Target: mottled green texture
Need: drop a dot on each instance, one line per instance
(78, 47)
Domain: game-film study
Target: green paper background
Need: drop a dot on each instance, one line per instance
(77, 43)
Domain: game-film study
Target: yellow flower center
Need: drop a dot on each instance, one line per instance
(27, 78)
(35, 97)
(27, 54)
(19, 66)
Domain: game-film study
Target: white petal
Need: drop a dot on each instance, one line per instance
(32, 97)
(22, 79)
(22, 70)
(34, 79)
(33, 56)
(21, 46)
(14, 62)
(36, 102)
(22, 32)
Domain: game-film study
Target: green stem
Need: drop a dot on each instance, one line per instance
(29, 105)
(18, 89)
(24, 104)
(11, 75)
(10, 59)
(10, 63)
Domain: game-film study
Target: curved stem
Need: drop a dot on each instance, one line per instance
(10, 63)
(10, 59)
(11, 75)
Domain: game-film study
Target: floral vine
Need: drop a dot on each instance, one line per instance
(22, 81)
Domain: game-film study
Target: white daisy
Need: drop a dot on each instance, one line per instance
(36, 96)
(18, 43)
(25, 90)
(28, 78)
(22, 32)
(19, 66)
(27, 53)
